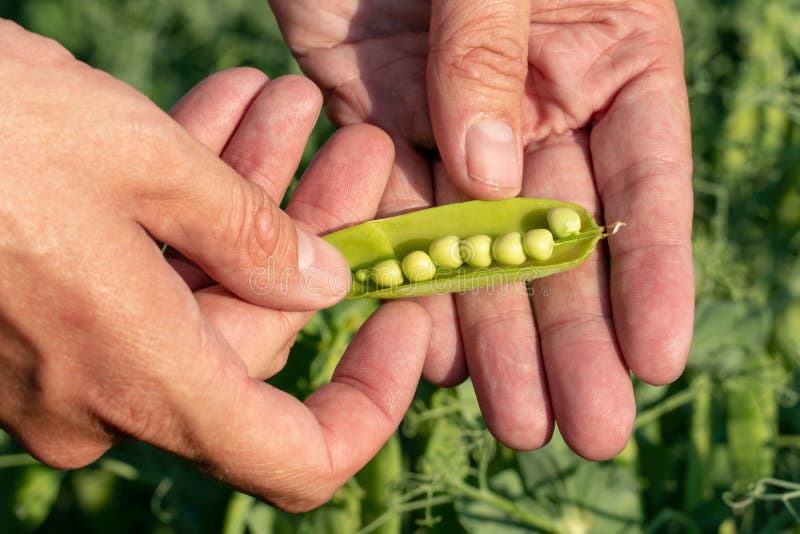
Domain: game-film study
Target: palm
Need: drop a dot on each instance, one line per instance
(372, 66)
(603, 124)
(578, 62)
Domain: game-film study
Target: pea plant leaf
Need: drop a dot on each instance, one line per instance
(35, 496)
(576, 495)
(730, 329)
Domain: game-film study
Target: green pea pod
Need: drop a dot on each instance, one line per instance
(367, 244)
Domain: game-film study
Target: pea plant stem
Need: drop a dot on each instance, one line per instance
(673, 402)
(787, 491)
(501, 503)
(789, 441)
(403, 508)
(17, 460)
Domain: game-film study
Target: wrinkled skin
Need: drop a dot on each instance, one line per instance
(595, 97)
(102, 339)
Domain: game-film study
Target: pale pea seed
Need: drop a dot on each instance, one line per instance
(563, 222)
(387, 273)
(538, 244)
(477, 250)
(418, 266)
(444, 252)
(507, 249)
(362, 275)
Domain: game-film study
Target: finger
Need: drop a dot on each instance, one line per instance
(374, 383)
(212, 110)
(445, 364)
(344, 182)
(211, 113)
(269, 142)
(502, 354)
(261, 337)
(296, 455)
(193, 396)
(590, 389)
(642, 160)
(263, 143)
(234, 231)
(341, 187)
(476, 77)
(410, 187)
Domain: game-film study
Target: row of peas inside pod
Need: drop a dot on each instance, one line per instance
(451, 252)
(458, 247)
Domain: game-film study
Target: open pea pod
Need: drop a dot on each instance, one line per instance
(368, 243)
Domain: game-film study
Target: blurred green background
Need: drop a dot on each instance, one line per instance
(715, 452)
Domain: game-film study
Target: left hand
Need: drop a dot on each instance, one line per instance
(305, 451)
(597, 113)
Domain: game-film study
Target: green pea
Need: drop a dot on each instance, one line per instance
(507, 249)
(563, 222)
(387, 273)
(444, 252)
(477, 250)
(368, 245)
(418, 266)
(362, 275)
(538, 244)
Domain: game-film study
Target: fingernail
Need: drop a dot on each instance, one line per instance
(315, 253)
(492, 156)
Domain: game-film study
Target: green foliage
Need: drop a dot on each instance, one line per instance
(715, 452)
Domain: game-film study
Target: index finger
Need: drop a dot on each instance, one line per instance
(641, 152)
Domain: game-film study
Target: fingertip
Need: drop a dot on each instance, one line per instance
(601, 436)
(325, 275)
(375, 142)
(345, 180)
(494, 161)
(489, 166)
(232, 84)
(665, 361)
(524, 435)
(593, 400)
(212, 109)
(247, 76)
(653, 300)
(306, 95)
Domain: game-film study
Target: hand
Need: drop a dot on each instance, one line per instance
(596, 105)
(100, 338)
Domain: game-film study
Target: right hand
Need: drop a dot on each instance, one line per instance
(102, 340)
(572, 100)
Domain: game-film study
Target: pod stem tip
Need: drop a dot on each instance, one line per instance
(613, 228)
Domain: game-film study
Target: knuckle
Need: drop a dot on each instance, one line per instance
(306, 486)
(158, 152)
(485, 57)
(62, 452)
(313, 496)
(250, 226)
(16, 39)
(273, 237)
(140, 415)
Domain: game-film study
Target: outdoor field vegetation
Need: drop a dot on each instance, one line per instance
(717, 451)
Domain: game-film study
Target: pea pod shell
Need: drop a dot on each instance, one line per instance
(366, 244)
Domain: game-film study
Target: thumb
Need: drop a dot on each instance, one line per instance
(233, 230)
(476, 77)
